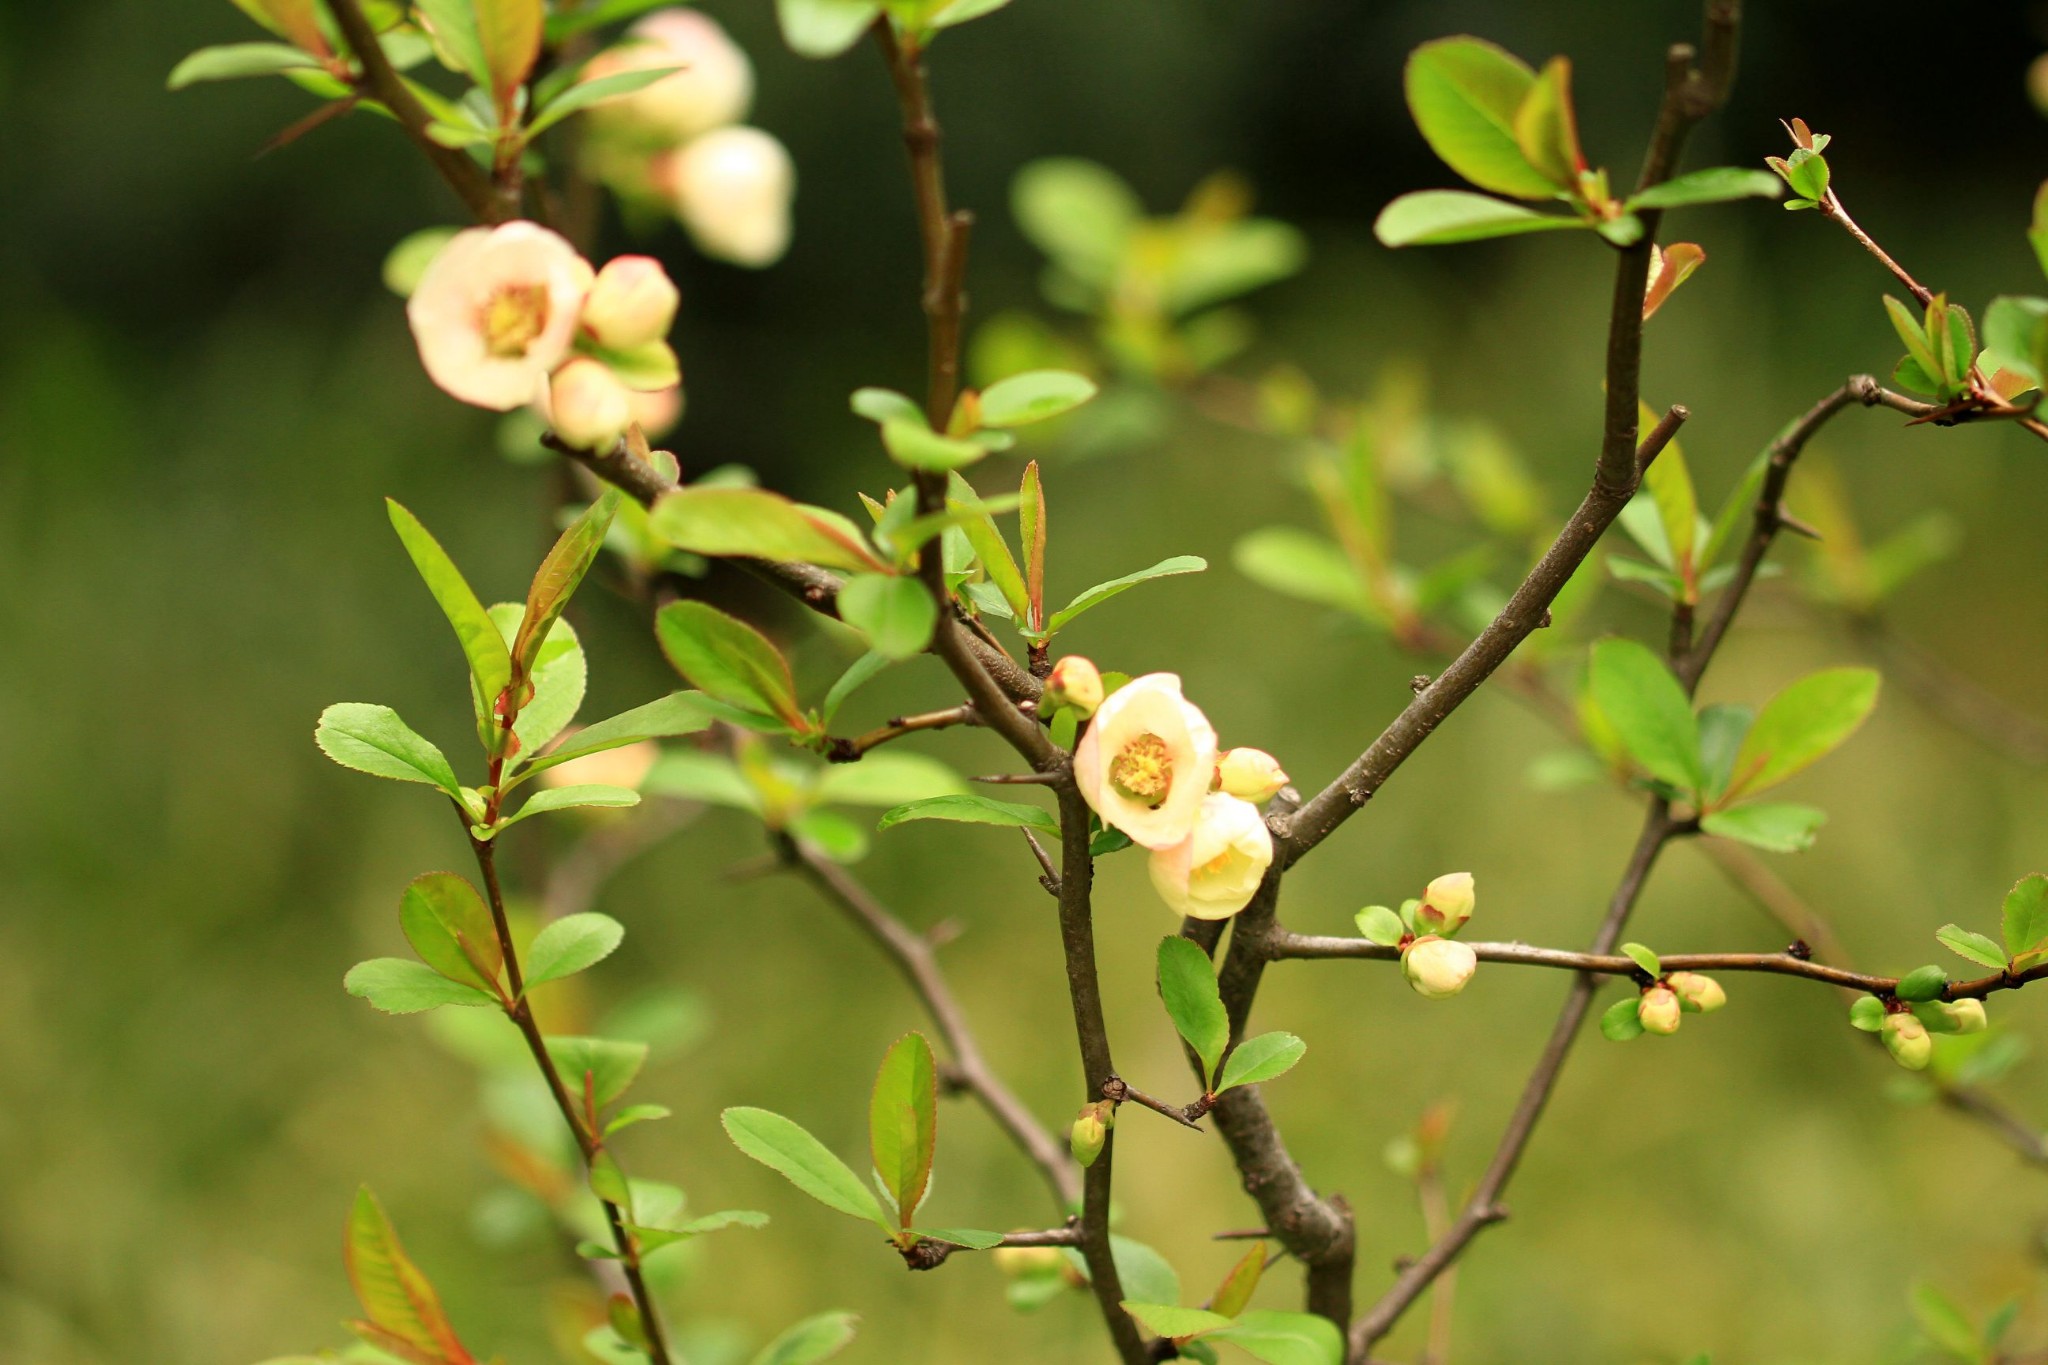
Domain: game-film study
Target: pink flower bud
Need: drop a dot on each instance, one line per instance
(1906, 1039)
(1075, 684)
(587, 406)
(656, 412)
(1659, 1010)
(631, 302)
(1438, 968)
(1446, 903)
(1703, 993)
(1250, 774)
(714, 86)
(732, 188)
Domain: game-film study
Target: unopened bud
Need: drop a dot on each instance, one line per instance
(1028, 1263)
(1090, 1131)
(1446, 903)
(1075, 684)
(1659, 1010)
(732, 188)
(631, 302)
(1967, 1015)
(587, 405)
(1438, 968)
(1250, 774)
(1703, 993)
(1906, 1039)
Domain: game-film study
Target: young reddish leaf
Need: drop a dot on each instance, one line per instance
(509, 31)
(450, 927)
(1031, 530)
(398, 1298)
(903, 1122)
(556, 582)
(1235, 1293)
(1547, 128)
(297, 21)
(759, 524)
(1670, 267)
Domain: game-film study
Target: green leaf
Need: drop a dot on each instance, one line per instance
(232, 61)
(2026, 914)
(1240, 1283)
(1976, 947)
(2016, 335)
(903, 1117)
(556, 581)
(974, 1239)
(1285, 1338)
(570, 945)
(690, 775)
(1922, 983)
(1144, 1272)
(882, 778)
(372, 739)
(991, 550)
(1298, 563)
(449, 926)
(568, 798)
(758, 524)
(559, 675)
(1187, 987)
(398, 985)
(453, 27)
(1669, 484)
(1801, 725)
(1649, 710)
(1381, 925)
(1445, 217)
(1079, 213)
(1867, 1013)
(396, 1296)
(1102, 592)
(584, 93)
(1257, 1060)
(636, 1113)
(1620, 1022)
(1715, 185)
(609, 1063)
(815, 1338)
(857, 675)
(916, 446)
(1945, 1324)
(1464, 94)
(896, 613)
(1033, 396)
(727, 659)
(679, 713)
(406, 262)
(821, 29)
(784, 1147)
(1777, 827)
(1546, 126)
(1918, 346)
(972, 810)
(1722, 727)
(1643, 957)
(1167, 1320)
(886, 405)
(509, 32)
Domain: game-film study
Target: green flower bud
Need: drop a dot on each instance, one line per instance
(1703, 993)
(1090, 1131)
(1659, 1010)
(1967, 1015)
(1906, 1039)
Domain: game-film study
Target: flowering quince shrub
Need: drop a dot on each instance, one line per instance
(524, 106)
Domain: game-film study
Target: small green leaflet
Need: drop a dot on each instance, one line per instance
(727, 659)
(483, 645)
(1777, 827)
(372, 739)
(1033, 396)
(1643, 958)
(974, 1239)
(1260, 1059)
(1102, 592)
(1976, 947)
(398, 985)
(1166, 1320)
(972, 810)
(571, 944)
(1620, 1022)
(1800, 726)
(679, 713)
(1446, 217)
(2026, 914)
(1187, 986)
(1285, 1338)
(449, 926)
(609, 1063)
(1649, 710)
(1867, 1014)
(1464, 95)
(232, 61)
(1922, 983)
(897, 614)
(824, 28)
(812, 1340)
(1381, 925)
(1714, 185)
(783, 1146)
(562, 798)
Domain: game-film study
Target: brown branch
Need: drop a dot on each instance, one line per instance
(1830, 205)
(589, 1142)
(912, 955)
(1186, 1115)
(380, 81)
(847, 750)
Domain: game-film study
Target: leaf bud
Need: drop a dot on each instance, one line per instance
(631, 302)
(1090, 1131)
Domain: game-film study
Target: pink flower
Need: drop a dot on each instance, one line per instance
(1147, 760)
(496, 310)
(1213, 873)
(731, 189)
(713, 88)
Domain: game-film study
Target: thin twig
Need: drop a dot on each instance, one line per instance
(912, 954)
(847, 750)
(1187, 1116)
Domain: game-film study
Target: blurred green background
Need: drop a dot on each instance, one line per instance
(204, 392)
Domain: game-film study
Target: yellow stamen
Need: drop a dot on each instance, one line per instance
(1143, 771)
(513, 316)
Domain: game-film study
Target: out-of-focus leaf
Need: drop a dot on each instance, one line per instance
(761, 525)
(396, 1297)
(1445, 217)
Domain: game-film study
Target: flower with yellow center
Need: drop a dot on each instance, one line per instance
(496, 310)
(1213, 873)
(1146, 761)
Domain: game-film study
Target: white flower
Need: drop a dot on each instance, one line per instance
(1438, 968)
(496, 310)
(632, 302)
(587, 405)
(731, 189)
(1250, 774)
(1145, 763)
(1446, 903)
(713, 88)
(1213, 873)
